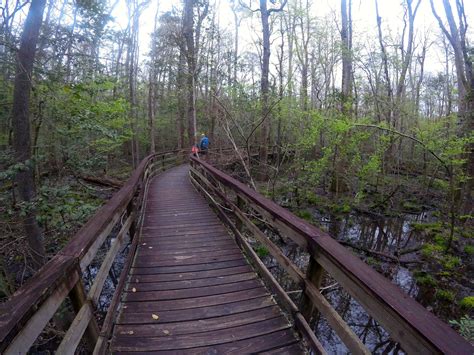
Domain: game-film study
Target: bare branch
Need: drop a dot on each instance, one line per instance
(279, 9)
(443, 163)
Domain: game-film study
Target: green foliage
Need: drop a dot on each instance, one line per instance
(372, 261)
(450, 262)
(412, 206)
(425, 279)
(305, 214)
(465, 326)
(430, 250)
(467, 303)
(469, 249)
(63, 209)
(86, 111)
(429, 228)
(444, 295)
(261, 251)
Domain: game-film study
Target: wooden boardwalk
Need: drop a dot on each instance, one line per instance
(190, 290)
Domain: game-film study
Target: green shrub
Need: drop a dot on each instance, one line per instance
(465, 326)
(429, 250)
(261, 251)
(306, 215)
(469, 249)
(444, 295)
(450, 262)
(422, 278)
(467, 302)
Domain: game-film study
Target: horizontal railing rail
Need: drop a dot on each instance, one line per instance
(24, 316)
(408, 323)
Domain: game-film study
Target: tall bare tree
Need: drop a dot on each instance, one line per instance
(346, 39)
(265, 13)
(191, 33)
(464, 71)
(21, 128)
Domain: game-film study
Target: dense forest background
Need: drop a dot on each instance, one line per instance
(368, 120)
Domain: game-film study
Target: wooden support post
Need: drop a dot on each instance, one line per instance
(130, 211)
(314, 275)
(78, 299)
(240, 206)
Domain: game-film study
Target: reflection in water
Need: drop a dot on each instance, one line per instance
(371, 237)
(384, 243)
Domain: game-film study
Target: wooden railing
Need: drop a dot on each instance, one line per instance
(408, 323)
(24, 316)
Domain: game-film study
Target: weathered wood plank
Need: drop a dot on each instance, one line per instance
(192, 275)
(150, 328)
(195, 260)
(198, 248)
(181, 342)
(157, 284)
(254, 345)
(203, 301)
(137, 313)
(139, 295)
(74, 334)
(147, 251)
(188, 268)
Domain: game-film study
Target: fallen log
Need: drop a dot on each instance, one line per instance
(103, 181)
(379, 254)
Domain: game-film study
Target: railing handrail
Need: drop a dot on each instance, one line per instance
(348, 269)
(73, 258)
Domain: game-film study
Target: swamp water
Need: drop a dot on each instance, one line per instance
(376, 240)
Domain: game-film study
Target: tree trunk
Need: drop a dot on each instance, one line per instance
(188, 32)
(388, 85)
(346, 39)
(181, 111)
(264, 89)
(152, 87)
(21, 128)
(464, 72)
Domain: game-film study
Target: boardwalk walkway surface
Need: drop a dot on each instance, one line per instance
(190, 290)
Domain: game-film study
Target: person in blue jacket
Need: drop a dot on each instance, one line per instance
(204, 144)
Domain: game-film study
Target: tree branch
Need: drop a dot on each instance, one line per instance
(448, 171)
(441, 25)
(279, 9)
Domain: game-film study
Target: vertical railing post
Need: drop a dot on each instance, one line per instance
(78, 298)
(133, 226)
(314, 274)
(240, 206)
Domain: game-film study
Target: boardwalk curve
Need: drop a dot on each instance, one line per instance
(190, 288)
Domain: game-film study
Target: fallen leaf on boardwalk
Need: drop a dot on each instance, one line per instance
(150, 247)
(130, 332)
(134, 289)
(154, 316)
(166, 332)
(144, 244)
(182, 257)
